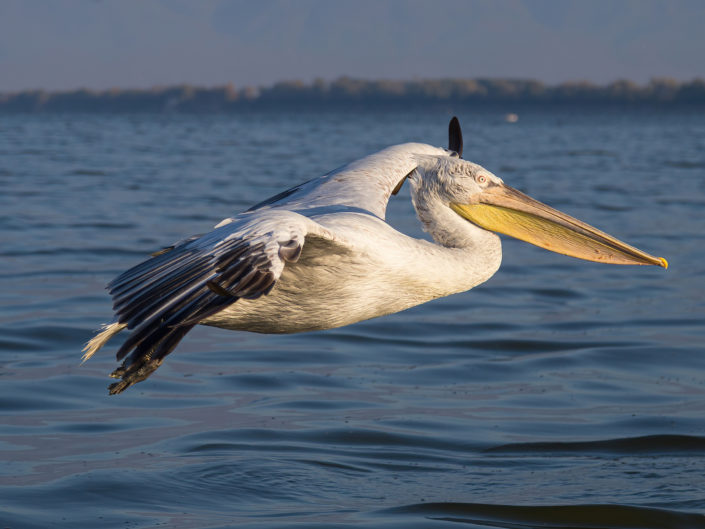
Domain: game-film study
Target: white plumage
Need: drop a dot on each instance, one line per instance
(320, 255)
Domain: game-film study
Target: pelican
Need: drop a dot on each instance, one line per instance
(320, 255)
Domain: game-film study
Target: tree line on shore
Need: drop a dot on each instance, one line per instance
(347, 92)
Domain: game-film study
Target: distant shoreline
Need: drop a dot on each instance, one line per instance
(348, 93)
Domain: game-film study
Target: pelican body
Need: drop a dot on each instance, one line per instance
(320, 255)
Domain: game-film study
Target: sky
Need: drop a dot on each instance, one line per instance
(100, 44)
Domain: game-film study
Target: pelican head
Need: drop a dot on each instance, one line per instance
(484, 200)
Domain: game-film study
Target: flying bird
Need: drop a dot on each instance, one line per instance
(320, 255)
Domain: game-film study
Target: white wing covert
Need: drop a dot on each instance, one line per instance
(365, 184)
(163, 298)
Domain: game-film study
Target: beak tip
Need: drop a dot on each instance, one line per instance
(664, 263)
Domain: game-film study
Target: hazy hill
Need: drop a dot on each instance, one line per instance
(356, 93)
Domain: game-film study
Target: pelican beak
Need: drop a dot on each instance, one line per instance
(505, 210)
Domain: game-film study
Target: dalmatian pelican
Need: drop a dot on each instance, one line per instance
(320, 255)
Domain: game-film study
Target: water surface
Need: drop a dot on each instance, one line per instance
(558, 394)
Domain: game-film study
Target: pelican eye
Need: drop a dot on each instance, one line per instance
(481, 179)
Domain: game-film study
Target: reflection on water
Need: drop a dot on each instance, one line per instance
(559, 394)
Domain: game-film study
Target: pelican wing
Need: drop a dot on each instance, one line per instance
(365, 184)
(163, 298)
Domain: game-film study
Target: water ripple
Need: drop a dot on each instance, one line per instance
(685, 445)
(552, 516)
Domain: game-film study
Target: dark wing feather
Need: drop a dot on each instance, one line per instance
(163, 298)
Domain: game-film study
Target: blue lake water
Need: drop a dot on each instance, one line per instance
(559, 394)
